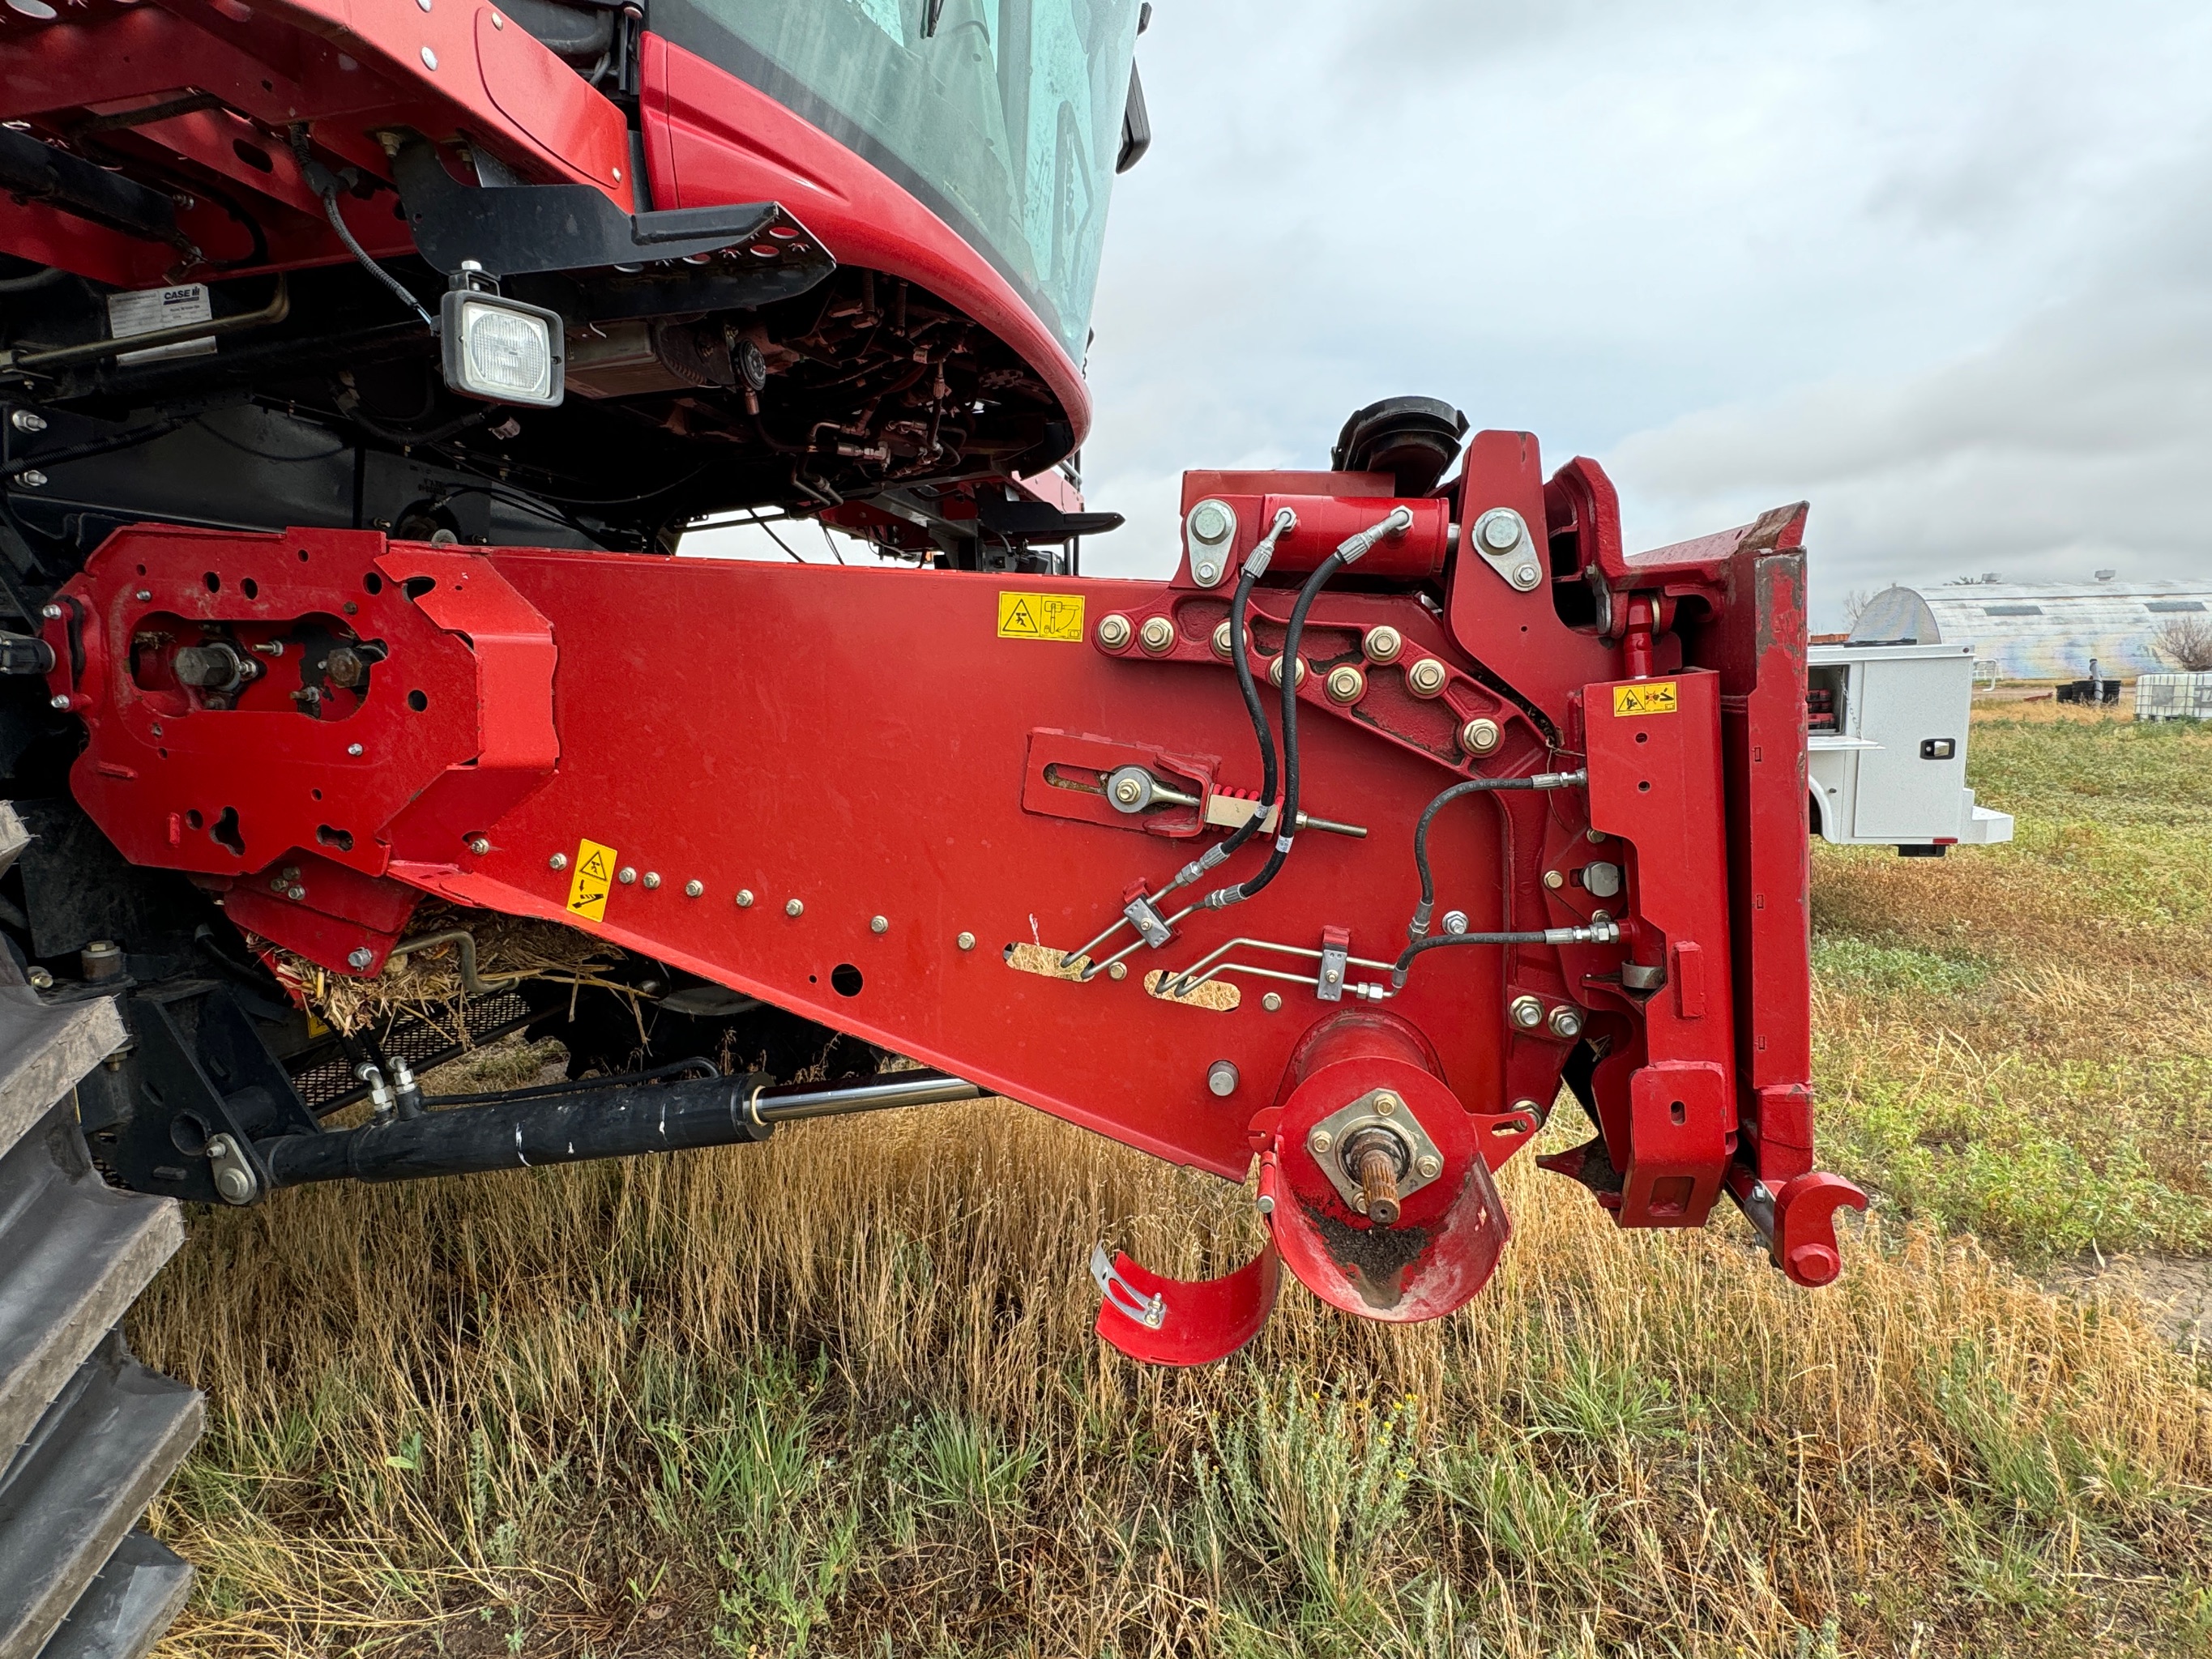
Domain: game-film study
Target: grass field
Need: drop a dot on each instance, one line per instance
(838, 1394)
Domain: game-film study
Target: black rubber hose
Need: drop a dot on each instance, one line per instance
(1251, 688)
(1407, 957)
(36, 279)
(1471, 785)
(1286, 825)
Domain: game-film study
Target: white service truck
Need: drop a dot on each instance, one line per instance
(1886, 725)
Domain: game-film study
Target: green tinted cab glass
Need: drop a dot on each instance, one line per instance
(1006, 120)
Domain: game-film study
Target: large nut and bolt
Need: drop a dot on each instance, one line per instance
(1213, 526)
(1454, 922)
(1500, 531)
(966, 941)
(1209, 521)
(1275, 671)
(879, 924)
(1221, 1079)
(1114, 631)
(1158, 637)
(1566, 1023)
(1427, 678)
(1320, 1140)
(101, 959)
(1479, 736)
(745, 898)
(793, 907)
(479, 845)
(1273, 1002)
(1221, 640)
(1386, 1104)
(235, 1184)
(1118, 972)
(1525, 576)
(626, 875)
(1382, 644)
(1431, 1166)
(693, 889)
(652, 878)
(558, 861)
(1525, 1011)
(1129, 791)
(1346, 685)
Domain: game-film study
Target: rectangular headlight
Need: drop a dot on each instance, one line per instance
(500, 349)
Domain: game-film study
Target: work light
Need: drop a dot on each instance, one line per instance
(500, 349)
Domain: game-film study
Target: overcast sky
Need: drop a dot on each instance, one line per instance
(1944, 270)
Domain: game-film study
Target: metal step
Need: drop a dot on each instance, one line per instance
(87, 1435)
(138, 1592)
(79, 1483)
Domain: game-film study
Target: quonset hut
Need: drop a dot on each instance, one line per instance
(2039, 630)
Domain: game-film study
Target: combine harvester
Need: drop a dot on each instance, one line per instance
(364, 362)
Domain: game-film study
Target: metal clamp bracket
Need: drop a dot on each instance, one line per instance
(1501, 538)
(1149, 1311)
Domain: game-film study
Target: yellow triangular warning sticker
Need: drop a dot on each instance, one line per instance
(587, 888)
(1040, 616)
(1649, 697)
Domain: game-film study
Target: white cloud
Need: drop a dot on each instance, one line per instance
(1932, 266)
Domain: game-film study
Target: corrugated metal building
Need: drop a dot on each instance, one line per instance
(2042, 630)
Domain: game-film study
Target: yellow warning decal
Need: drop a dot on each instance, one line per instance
(588, 887)
(1040, 616)
(1645, 697)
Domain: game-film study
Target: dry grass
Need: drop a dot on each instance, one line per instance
(838, 1395)
(2018, 1039)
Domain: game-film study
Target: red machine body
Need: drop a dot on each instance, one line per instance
(890, 799)
(821, 787)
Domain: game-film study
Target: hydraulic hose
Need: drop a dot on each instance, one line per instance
(1354, 548)
(1602, 932)
(1250, 687)
(1416, 931)
(1419, 927)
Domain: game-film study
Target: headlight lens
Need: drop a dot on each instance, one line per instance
(501, 350)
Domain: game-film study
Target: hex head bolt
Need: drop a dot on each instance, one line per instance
(1114, 632)
(1157, 636)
